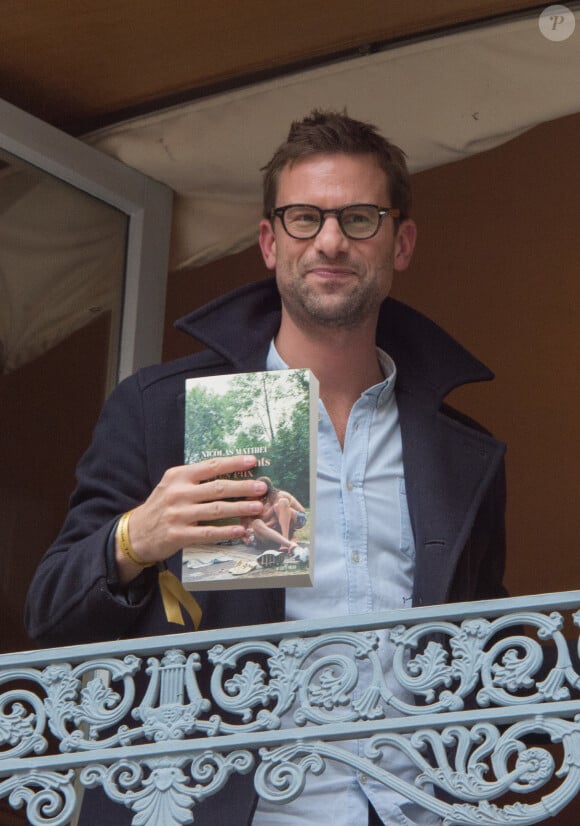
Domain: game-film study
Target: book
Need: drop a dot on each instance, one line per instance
(272, 415)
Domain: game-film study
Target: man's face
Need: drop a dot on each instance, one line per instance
(331, 280)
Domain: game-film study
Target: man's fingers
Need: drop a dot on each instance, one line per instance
(222, 478)
(210, 511)
(211, 534)
(220, 490)
(219, 466)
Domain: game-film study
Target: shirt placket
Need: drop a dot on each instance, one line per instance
(355, 539)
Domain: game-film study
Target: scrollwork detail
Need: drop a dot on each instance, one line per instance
(279, 779)
(164, 793)
(21, 728)
(49, 797)
(92, 707)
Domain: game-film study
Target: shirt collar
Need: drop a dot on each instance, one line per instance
(385, 389)
(380, 393)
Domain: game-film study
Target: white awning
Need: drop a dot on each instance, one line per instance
(440, 99)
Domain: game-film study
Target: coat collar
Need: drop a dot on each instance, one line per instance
(240, 325)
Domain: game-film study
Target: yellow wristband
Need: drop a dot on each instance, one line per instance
(122, 536)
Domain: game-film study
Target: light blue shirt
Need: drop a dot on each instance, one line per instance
(364, 562)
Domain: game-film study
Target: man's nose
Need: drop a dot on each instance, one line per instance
(331, 240)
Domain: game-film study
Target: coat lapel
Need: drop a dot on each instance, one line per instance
(448, 469)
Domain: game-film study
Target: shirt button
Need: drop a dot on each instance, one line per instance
(355, 556)
(349, 485)
(363, 778)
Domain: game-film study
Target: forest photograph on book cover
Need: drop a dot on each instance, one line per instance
(272, 416)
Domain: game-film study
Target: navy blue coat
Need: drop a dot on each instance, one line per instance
(454, 477)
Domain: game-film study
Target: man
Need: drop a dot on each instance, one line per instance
(281, 516)
(410, 494)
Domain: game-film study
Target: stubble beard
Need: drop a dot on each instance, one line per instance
(333, 307)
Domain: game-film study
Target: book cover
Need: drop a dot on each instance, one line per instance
(272, 415)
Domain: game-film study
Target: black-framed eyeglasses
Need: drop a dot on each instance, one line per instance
(357, 221)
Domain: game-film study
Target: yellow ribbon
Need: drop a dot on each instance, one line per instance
(174, 596)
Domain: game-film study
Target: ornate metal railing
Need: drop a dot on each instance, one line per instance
(487, 708)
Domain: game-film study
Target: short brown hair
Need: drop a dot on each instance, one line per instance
(332, 132)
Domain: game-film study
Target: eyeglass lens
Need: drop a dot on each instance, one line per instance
(356, 221)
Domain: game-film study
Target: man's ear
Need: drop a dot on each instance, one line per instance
(404, 244)
(267, 241)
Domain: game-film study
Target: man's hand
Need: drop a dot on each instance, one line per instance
(187, 495)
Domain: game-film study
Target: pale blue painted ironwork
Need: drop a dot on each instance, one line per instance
(486, 687)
